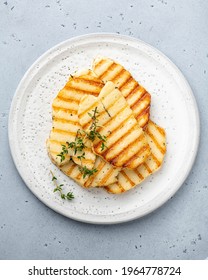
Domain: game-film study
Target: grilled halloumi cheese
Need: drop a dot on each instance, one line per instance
(65, 120)
(128, 179)
(126, 144)
(106, 174)
(136, 96)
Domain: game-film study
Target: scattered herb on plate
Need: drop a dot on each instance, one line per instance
(58, 188)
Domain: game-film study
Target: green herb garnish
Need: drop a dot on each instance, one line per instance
(59, 189)
(63, 152)
(93, 134)
(81, 156)
(78, 145)
(87, 172)
(103, 146)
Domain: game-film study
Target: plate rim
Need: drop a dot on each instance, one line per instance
(194, 109)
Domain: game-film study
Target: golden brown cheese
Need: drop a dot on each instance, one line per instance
(137, 96)
(65, 120)
(126, 144)
(128, 179)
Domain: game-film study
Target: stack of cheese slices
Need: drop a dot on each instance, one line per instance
(102, 134)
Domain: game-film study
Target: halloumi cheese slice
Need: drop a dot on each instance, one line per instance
(126, 144)
(137, 96)
(106, 174)
(65, 122)
(128, 179)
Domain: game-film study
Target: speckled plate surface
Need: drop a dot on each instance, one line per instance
(173, 107)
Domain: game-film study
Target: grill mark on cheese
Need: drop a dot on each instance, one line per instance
(57, 108)
(81, 91)
(141, 97)
(144, 95)
(161, 130)
(143, 116)
(84, 160)
(110, 68)
(145, 111)
(125, 82)
(118, 75)
(88, 82)
(57, 142)
(65, 120)
(107, 108)
(161, 149)
(147, 168)
(110, 147)
(99, 63)
(69, 99)
(127, 148)
(108, 122)
(105, 178)
(79, 175)
(85, 126)
(111, 120)
(108, 188)
(134, 157)
(139, 174)
(116, 128)
(133, 90)
(156, 160)
(61, 131)
(89, 109)
(121, 188)
(127, 177)
(70, 170)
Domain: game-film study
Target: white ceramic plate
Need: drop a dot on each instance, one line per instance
(173, 107)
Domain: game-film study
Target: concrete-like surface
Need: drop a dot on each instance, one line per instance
(30, 230)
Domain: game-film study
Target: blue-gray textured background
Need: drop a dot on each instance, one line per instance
(30, 230)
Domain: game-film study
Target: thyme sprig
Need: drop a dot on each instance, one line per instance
(87, 172)
(78, 146)
(58, 188)
(93, 134)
